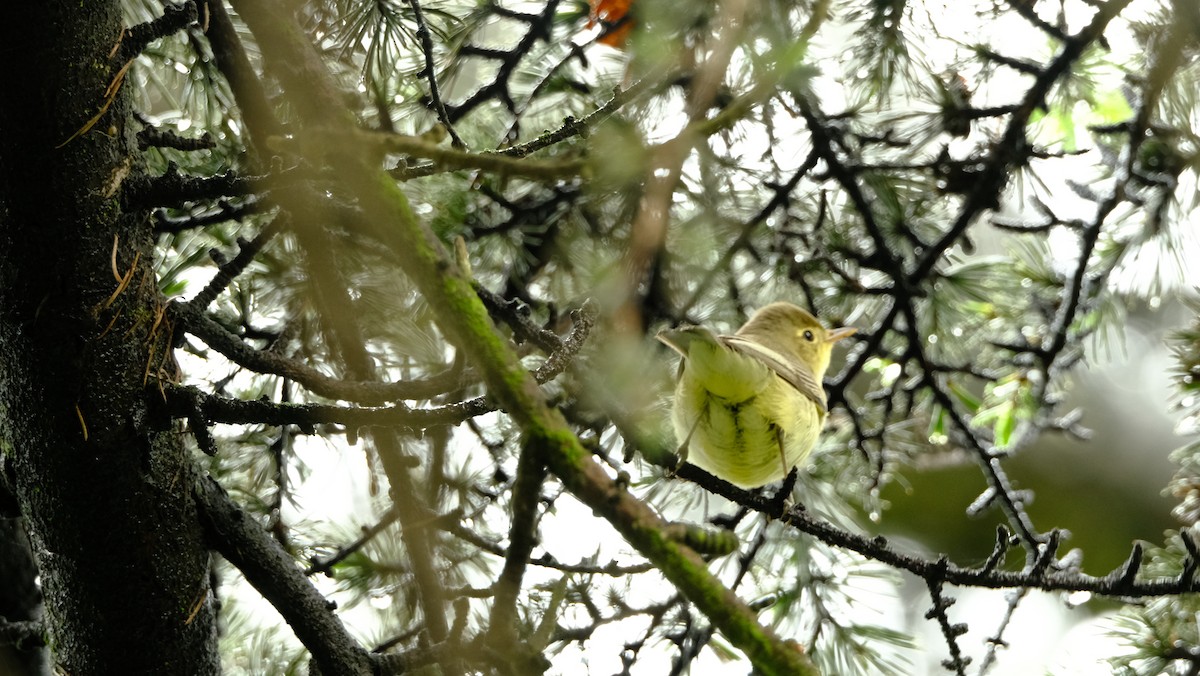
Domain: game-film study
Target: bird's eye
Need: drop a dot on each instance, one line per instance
(808, 335)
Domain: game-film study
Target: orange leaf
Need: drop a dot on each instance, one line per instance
(614, 17)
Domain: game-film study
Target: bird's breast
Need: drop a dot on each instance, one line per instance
(748, 442)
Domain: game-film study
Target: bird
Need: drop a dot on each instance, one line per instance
(749, 407)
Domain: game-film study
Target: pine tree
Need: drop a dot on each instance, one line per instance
(350, 307)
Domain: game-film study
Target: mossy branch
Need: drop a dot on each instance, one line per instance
(465, 320)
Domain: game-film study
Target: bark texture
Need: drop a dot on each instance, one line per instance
(100, 478)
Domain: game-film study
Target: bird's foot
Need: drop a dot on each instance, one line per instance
(782, 500)
(681, 455)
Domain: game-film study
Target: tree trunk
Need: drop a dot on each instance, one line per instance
(100, 477)
(20, 599)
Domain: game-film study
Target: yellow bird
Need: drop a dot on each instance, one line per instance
(750, 406)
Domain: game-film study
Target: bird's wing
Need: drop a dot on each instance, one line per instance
(794, 372)
(716, 367)
(680, 338)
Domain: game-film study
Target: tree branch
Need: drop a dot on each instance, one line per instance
(266, 566)
(174, 19)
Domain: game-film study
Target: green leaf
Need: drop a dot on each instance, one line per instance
(964, 396)
(1110, 107)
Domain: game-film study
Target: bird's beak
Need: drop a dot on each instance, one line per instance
(835, 335)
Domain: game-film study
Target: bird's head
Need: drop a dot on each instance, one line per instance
(793, 332)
